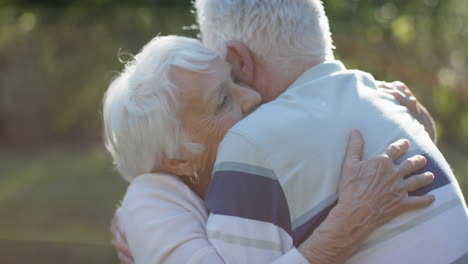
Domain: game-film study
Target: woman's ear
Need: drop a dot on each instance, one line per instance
(177, 167)
(242, 61)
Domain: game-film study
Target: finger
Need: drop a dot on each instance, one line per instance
(124, 259)
(410, 165)
(115, 229)
(124, 249)
(116, 236)
(398, 83)
(384, 85)
(402, 88)
(115, 220)
(401, 98)
(413, 106)
(397, 148)
(407, 101)
(354, 149)
(416, 182)
(418, 202)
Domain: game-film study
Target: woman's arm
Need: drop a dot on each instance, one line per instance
(164, 222)
(370, 193)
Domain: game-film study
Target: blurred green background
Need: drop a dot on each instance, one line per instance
(58, 189)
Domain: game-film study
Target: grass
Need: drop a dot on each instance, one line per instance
(58, 203)
(59, 198)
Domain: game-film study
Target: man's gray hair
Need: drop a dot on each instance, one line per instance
(141, 124)
(283, 30)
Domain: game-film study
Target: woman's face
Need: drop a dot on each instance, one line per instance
(211, 104)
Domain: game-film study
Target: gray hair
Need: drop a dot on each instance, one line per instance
(278, 30)
(141, 105)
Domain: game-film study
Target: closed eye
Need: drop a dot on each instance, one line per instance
(235, 79)
(224, 102)
(224, 99)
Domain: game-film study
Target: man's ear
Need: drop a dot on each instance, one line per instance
(242, 61)
(177, 167)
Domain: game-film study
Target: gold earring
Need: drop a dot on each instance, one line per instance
(195, 178)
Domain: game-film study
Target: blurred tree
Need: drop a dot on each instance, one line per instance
(418, 42)
(57, 62)
(95, 3)
(60, 61)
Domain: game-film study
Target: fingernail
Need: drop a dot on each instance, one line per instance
(406, 142)
(430, 174)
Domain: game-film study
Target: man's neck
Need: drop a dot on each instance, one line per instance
(279, 78)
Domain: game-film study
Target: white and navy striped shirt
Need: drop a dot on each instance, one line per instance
(277, 170)
(164, 222)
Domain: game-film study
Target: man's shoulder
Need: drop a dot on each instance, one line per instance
(241, 145)
(261, 119)
(270, 121)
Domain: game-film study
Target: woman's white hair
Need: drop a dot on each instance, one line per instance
(286, 30)
(140, 109)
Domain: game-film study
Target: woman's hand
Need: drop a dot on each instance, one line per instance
(406, 98)
(379, 185)
(119, 240)
(370, 193)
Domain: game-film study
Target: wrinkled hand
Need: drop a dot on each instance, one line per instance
(378, 187)
(406, 98)
(119, 240)
(370, 193)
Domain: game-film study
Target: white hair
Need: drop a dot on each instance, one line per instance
(140, 109)
(275, 30)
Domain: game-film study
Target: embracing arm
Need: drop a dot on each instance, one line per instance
(364, 185)
(249, 222)
(370, 193)
(162, 221)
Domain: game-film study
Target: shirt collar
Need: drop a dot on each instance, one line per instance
(318, 71)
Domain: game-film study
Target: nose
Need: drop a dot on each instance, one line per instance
(248, 99)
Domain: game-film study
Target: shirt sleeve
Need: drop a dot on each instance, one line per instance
(249, 219)
(165, 223)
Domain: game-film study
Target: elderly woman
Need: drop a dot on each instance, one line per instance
(164, 119)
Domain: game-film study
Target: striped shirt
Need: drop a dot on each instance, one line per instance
(277, 170)
(164, 222)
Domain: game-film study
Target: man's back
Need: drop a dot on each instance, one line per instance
(291, 150)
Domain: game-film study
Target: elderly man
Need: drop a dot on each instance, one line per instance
(260, 198)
